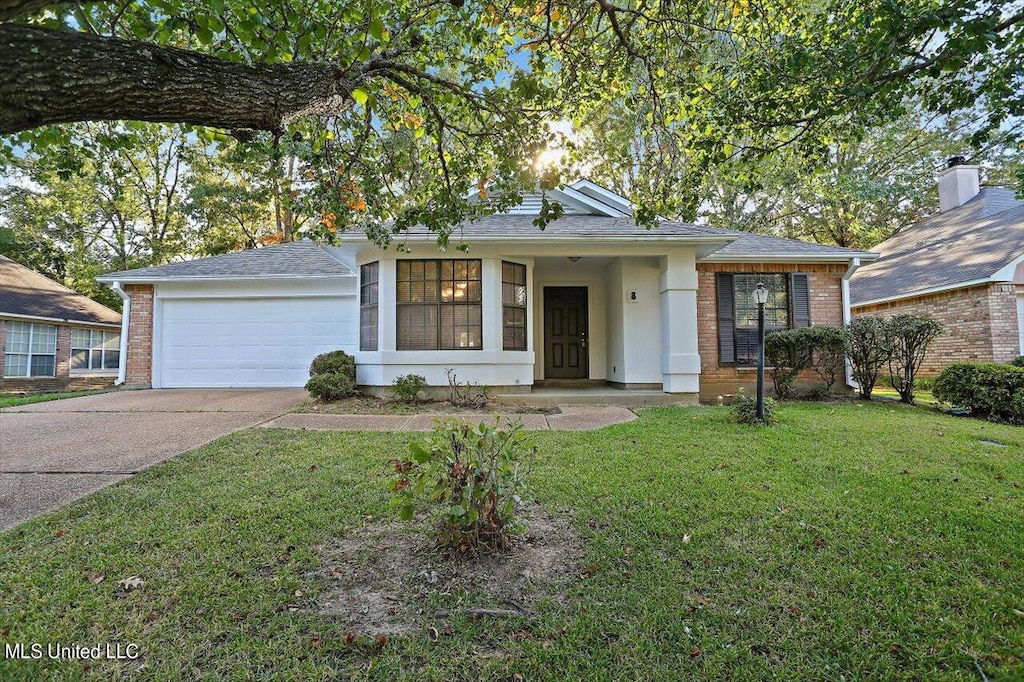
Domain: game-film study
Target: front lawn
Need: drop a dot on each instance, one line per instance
(15, 400)
(850, 541)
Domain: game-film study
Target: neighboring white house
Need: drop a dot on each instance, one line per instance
(593, 297)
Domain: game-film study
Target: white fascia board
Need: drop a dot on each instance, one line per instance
(790, 258)
(926, 292)
(1006, 273)
(604, 195)
(571, 195)
(232, 278)
(577, 239)
(60, 320)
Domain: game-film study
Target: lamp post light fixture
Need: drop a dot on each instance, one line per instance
(760, 298)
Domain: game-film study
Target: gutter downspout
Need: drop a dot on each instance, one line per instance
(848, 315)
(126, 311)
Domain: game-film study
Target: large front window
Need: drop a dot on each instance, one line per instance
(776, 311)
(439, 305)
(94, 351)
(30, 350)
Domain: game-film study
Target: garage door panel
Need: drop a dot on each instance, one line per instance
(246, 342)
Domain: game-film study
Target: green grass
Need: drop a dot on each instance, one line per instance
(15, 400)
(850, 541)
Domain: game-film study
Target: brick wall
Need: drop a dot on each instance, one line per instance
(139, 367)
(980, 324)
(826, 309)
(63, 380)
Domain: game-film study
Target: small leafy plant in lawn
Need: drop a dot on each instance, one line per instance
(408, 387)
(744, 408)
(471, 477)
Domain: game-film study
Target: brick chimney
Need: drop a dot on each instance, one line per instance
(958, 184)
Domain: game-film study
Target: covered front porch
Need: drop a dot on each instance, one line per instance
(620, 322)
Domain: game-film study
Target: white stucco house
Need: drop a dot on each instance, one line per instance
(592, 298)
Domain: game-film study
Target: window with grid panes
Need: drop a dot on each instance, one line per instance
(93, 350)
(30, 350)
(513, 306)
(369, 275)
(438, 305)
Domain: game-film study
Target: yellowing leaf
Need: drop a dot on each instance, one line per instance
(360, 96)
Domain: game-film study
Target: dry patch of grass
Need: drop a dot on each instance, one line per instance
(390, 579)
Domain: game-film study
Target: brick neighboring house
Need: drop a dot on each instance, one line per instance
(593, 299)
(964, 266)
(51, 337)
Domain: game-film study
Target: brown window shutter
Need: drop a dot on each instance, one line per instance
(801, 289)
(726, 342)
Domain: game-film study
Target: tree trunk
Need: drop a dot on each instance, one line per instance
(49, 76)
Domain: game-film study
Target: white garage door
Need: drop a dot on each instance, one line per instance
(255, 342)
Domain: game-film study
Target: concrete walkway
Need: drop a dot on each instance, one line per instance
(575, 418)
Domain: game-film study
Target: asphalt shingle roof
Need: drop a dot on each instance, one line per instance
(743, 244)
(966, 244)
(300, 258)
(754, 245)
(24, 291)
(500, 226)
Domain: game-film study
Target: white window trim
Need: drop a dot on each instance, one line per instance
(29, 355)
(80, 372)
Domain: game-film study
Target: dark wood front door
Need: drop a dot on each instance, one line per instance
(565, 333)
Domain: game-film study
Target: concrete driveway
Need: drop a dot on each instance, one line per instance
(55, 452)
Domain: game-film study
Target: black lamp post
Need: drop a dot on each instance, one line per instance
(760, 298)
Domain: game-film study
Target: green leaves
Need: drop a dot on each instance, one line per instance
(470, 477)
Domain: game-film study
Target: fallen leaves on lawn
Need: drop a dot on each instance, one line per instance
(131, 582)
(124, 587)
(686, 539)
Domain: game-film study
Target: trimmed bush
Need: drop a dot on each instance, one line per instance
(1019, 362)
(334, 362)
(869, 349)
(788, 352)
(829, 347)
(331, 386)
(909, 337)
(407, 388)
(989, 390)
(791, 351)
(744, 408)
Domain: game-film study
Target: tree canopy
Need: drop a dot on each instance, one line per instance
(390, 110)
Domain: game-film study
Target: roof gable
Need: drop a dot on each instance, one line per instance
(966, 245)
(25, 292)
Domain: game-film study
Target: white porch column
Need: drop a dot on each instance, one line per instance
(680, 361)
(490, 280)
(386, 308)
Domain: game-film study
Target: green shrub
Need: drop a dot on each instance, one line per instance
(470, 477)
(788, 352)
(908, 338)
(744, 409)
(1019, 362)
(869, 349)
(989, 390)
(334, 362)
(331, 386)
(407, 388)
(829, 350)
